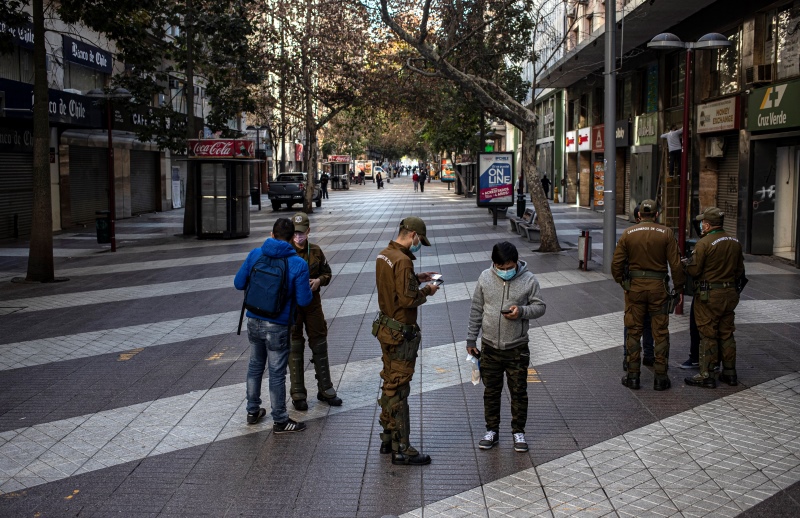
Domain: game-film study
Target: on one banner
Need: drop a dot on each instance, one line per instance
(495, 179)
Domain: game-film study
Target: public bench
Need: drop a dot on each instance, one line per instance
(527, 217)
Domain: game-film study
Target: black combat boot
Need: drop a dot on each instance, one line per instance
(409, 456)
(730, 379)
(300, 404)
(661, 382)
(386, 442)
(699, 381)
(631, 381)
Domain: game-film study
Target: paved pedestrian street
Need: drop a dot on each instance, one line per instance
(122, 390)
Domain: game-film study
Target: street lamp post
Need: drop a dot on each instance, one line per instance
(668, 41)
(117, 93)
(258, 130)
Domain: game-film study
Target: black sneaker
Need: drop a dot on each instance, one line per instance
(490, 439)
(690, 364)
(289, 426)
(254, 417)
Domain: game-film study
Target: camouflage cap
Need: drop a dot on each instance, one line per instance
(300, 221)
(416, 225)
(648, 207)
(712, 214)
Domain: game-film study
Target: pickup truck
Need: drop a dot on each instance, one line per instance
(290, 188)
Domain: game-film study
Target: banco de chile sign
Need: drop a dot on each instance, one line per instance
(774, 107)
(495, 179)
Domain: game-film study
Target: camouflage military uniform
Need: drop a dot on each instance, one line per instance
(716, 264)
(312, 319)
(647, 248)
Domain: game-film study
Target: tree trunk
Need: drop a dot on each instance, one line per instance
(549, 238)
(40, 255)
(190, 210)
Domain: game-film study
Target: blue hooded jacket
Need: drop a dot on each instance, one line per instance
(299, 290)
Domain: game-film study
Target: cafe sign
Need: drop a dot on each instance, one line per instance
(571, 142)
(646, 129)
(598, 138)
(774, 107)
(718, 116)
(584, 139)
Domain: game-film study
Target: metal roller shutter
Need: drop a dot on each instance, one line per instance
(16, 193)
(627, 180)
(728, 184)
(145, 176)
(88, 182)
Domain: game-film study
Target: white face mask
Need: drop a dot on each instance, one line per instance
(300, 238)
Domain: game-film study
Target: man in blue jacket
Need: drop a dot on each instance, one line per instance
(269, 337)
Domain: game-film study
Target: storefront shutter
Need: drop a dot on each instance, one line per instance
(88, 183)
(16, 193)
(728, 184)
(627, 181)
(145, 176)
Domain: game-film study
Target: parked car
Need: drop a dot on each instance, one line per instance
(289, 189)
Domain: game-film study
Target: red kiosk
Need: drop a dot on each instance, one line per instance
(222, 170)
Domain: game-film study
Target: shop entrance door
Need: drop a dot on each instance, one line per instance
(786, 193)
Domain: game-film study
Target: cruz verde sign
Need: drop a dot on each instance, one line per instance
(774, 107)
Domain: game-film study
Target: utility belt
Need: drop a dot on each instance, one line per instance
(409, 331)
(705, 287)
(647, 274)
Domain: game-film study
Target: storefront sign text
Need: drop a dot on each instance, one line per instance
(718, 116)
(774, 107)
(86, 55)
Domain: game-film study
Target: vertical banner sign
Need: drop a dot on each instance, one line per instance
(448, 174)
(599, 184)
(495, 179)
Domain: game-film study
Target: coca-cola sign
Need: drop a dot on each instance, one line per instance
(221, 148)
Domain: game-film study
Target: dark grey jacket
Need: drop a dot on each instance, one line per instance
(493, 294)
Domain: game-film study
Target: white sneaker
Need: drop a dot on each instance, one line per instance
(519, 442)
(489, 440)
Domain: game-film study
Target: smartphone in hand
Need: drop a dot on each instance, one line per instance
(506, 311)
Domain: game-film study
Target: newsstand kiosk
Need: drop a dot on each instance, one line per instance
(222, 170)
(339, 171)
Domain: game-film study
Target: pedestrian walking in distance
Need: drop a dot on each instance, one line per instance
(269, 335)
(506, 298)
(323, 182)
(415, 179)
(675, 146)
(640, 266)
(546, 185)
(423, 175)
(717, 265)
(312, 319)
(399, 296)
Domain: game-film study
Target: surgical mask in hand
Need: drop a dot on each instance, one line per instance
(415, 248)
(300, 238)
(506, 275)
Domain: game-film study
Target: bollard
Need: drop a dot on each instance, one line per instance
(584, 250)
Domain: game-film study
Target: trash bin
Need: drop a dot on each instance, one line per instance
(102, 223)
(255, 196)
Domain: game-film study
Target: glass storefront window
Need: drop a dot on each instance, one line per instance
(727, 67)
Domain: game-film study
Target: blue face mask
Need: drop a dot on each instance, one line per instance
(415, 248)
(506, 275)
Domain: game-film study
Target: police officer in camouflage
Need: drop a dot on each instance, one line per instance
(312, 319)
(717, 265)
(640, 265)
(399, 296)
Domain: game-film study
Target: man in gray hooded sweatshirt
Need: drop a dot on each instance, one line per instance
(506, 297)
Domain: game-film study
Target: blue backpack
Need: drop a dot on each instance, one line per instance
(267, 291)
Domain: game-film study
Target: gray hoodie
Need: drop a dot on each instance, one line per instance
(493, 294)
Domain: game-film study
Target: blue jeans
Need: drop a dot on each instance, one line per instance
(648, 349)
(269, 345)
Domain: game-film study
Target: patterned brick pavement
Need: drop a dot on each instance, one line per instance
(122, 390)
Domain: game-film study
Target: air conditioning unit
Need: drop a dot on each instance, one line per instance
(715, 147)
(759, 74)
